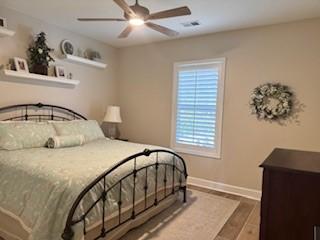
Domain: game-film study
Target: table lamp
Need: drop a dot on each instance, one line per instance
(113, 117)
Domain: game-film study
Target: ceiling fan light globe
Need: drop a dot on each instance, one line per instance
(136, 21)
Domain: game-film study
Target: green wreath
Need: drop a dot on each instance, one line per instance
(272, 101)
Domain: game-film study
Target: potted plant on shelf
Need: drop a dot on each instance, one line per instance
(39, 55)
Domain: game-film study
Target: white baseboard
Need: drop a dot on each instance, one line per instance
(244, 192)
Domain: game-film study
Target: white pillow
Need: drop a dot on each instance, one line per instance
(89, 129)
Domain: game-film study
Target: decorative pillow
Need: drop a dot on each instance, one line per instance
(89, 129)
(66, 141)
(21, 135)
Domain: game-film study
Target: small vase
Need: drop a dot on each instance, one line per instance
(40, 69)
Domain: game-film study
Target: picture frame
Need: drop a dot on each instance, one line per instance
(3, 22)
(60, 72)
(21, 65)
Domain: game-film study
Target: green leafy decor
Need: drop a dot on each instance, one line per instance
(272, 101)
(39, 55)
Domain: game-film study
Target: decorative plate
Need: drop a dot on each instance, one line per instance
(67, 47)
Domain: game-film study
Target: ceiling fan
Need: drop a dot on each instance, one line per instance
(138, 15)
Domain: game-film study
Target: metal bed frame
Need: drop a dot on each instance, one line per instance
(52, 112)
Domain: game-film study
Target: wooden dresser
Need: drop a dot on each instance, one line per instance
(290, 205)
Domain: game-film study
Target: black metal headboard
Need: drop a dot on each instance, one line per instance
(38, 112)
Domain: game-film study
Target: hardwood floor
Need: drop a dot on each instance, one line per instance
(243, 223)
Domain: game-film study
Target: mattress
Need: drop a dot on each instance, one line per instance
(38, 186)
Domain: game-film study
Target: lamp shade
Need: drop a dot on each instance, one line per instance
(113, 115)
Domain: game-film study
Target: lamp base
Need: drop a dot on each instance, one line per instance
(113, 132)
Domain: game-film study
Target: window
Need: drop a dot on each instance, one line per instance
(197, 107)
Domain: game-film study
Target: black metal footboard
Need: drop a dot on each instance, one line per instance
(169, 188)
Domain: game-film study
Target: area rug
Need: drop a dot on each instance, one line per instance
(201, 218)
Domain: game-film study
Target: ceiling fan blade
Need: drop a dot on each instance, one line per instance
(125, 33)
(176, 12)
(101, 19)
(125, 7)
(161, 29)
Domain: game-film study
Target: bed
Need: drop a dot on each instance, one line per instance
(99, 190)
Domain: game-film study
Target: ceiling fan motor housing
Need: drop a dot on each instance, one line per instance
(140, 11)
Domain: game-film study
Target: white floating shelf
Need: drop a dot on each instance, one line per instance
(84, 61)
(4, 32)
(31, 78)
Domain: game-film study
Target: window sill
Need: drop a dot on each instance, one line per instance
(198, 153)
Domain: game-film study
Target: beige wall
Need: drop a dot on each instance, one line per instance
(287, 53)
(97, 88)
(140, 80)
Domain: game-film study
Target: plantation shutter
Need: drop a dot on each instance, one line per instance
(197, 99)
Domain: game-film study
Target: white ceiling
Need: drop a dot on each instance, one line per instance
(214, 16)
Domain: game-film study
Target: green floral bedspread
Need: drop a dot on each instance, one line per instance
(39, 185)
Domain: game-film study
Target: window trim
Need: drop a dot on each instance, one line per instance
(194, 150)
